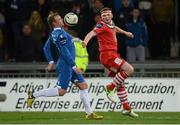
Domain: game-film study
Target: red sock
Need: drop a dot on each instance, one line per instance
(111, 86)
(122, 94)
(126, 106)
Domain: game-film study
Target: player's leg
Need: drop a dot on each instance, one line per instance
(106, 58)
(84, 96)
(60, 90)
(114, 64)
(122, 70)
(50, 92)
(126, 70)
(110, 91)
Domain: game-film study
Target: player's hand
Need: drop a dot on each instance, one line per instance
(84, 44)
(50, 67)
(77, 70)
(129, 34)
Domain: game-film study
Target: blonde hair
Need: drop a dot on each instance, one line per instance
(50, 18)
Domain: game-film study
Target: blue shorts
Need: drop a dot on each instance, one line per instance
(67, 74)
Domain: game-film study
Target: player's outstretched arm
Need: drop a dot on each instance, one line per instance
(88, 38)
(128, 34)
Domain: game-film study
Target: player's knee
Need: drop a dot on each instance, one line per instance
(82, 86)
(130, 70)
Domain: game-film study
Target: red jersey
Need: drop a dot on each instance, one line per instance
(106, 36)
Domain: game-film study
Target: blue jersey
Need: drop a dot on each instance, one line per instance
(66, 57)
(64, 45)
(139, 31)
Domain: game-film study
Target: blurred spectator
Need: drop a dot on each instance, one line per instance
(61, 6)
(121, 18)
(118, 4)
(3, 34)
(94, 10)
(81, 9)
(2, 19)
(136, 45)
(28, 49)
(98, 5)
(95, 7)
(108, 3)
(162, 17)
(124, 14)
(37, 26)
(145, 7)
(82, 59)
(135, 3)
(17, 12)
(43, 7)
(1, 46)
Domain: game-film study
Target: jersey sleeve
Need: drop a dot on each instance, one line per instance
(47, 50)
(62, 40)
(99, 28)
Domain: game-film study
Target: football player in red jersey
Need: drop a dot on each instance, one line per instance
(105, 30)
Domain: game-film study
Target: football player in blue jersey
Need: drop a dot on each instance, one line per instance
(66, 67)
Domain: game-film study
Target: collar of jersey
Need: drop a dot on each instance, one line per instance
(57, 28)
(112, 25)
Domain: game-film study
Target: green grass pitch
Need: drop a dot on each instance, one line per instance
(79, 118)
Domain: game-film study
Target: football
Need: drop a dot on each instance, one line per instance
(70, 19)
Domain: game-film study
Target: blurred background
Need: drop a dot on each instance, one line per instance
(24, 29)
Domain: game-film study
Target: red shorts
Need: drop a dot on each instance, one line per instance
(112, 61)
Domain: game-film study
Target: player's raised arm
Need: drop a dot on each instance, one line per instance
(88, 37)
(128, 34)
